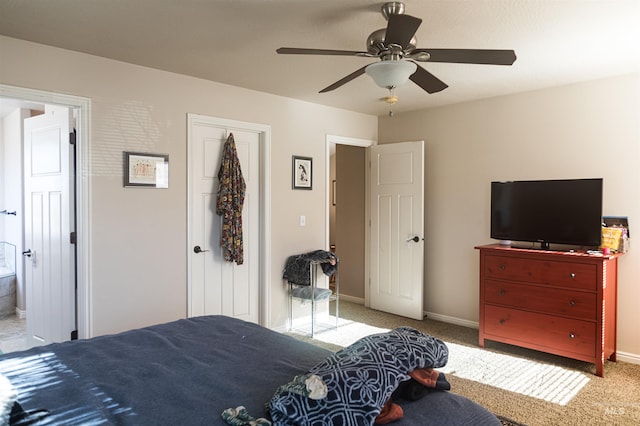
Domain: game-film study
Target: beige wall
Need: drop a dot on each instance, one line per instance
(138, 241)
(589, 129)
(350, 214)
(583, 130)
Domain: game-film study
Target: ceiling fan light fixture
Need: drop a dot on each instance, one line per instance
(389, 74)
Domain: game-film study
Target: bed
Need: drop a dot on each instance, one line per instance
(185, 372)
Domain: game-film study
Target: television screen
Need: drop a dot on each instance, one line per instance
(548, 211)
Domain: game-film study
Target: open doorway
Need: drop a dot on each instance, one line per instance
(347, 213)
(13, 326)
(17, 104)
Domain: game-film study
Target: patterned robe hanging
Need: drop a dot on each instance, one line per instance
(231, 191)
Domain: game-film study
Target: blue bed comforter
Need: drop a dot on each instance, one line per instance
(183, 373)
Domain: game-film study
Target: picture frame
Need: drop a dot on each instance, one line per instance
(146, 170)
(302, 172)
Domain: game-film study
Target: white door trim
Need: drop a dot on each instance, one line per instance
(365, 143)
(265, 206)
(82, 108)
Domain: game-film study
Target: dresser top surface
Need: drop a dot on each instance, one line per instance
(500, 248)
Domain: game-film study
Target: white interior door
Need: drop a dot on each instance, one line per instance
(48, 221)
(397, 228)
(217, 286)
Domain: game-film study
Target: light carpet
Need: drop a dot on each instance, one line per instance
(612, 400)
(540, 380)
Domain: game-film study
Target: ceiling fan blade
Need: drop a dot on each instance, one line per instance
(429, 82)
(344, 80)
(468, 56)
(401, 29)
(302, 51)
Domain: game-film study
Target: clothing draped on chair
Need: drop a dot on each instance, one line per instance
(231, 192)
(297, 267)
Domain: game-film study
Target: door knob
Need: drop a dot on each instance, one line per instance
(414, 239)
(197, 250)
(31, 255)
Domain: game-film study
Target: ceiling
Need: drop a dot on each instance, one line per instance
(557, 42)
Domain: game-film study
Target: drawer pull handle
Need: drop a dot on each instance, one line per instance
(502, 292)
(502, 321)
(501, 267)
(572, 336)
(572, 275)
(572, 303)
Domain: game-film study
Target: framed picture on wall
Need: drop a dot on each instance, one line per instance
(301, 172)
(146, 170)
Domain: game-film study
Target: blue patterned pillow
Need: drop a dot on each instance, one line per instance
(360, 379)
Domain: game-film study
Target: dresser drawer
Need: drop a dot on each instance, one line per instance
(511, 268)
(581, 305)
(540, 330)
(583, 276)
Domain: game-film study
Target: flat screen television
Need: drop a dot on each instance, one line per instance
(565, 211)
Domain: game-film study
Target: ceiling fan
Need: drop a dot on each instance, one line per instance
(395, 46)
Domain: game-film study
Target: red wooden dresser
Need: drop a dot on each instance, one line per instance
(562, 303)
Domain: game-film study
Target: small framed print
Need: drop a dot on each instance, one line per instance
(146, 170)
(302, 172)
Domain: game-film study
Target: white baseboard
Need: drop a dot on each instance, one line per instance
(281, 328)
(20, 313)
(352, 299)
(628, 357)
(430, 315)
(452, 320)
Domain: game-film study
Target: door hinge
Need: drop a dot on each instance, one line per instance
(72, 137)
(74, 335)
(72, 237)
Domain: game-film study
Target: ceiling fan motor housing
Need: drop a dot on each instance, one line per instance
(376, 43)
(376, 40)
(392, 8)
